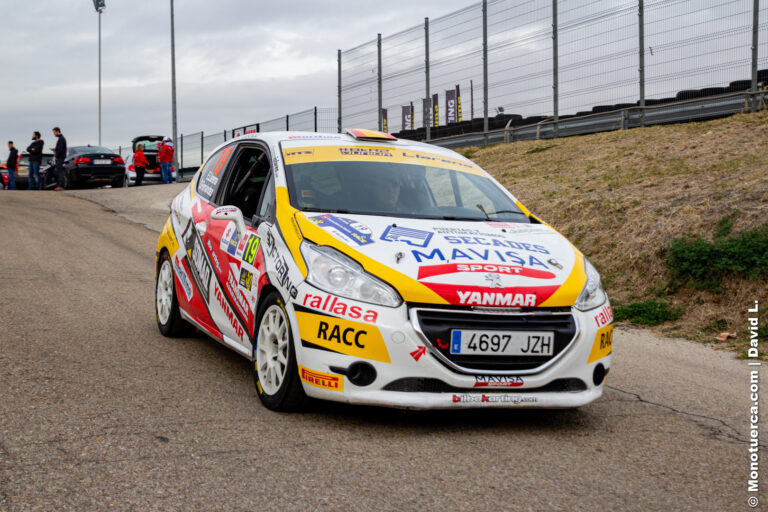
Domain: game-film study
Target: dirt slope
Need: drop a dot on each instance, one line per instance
(622, 196)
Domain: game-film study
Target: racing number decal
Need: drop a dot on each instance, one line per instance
(251, 248)
(222, 160)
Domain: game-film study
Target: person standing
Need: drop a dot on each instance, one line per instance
(12, 162)
(35, 151)
(166, 159)
(140, 164)
(59, 154)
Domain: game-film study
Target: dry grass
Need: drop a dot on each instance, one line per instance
(622, 196)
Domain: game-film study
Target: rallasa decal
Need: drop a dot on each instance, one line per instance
(336, 306)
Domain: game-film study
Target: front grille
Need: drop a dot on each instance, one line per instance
(427, 385)
(436, 324)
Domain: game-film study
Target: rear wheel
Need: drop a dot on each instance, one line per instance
(169, 319)
(275, 373)
(120, 182)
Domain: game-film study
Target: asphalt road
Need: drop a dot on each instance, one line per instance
(99, 411)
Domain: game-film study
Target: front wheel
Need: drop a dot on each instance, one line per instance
(169, 319)
(275, 373)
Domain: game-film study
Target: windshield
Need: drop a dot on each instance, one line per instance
(398, 190)
(81, 150)
(149, 145)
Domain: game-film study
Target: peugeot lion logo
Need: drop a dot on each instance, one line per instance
(495, 280)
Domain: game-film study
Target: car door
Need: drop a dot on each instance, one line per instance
(237, 255)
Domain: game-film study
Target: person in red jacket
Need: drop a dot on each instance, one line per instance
(166, 159)
(139, 164)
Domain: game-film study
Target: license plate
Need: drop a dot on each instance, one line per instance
(502, 343)
(102, 161)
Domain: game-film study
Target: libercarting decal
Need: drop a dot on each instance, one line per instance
(322, 380)
(343, 336)
(345, 229)
(494, 399)
(602, 344)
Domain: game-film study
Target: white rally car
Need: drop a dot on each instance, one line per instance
(364, 269)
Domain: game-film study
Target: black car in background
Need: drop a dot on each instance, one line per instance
(89, 166)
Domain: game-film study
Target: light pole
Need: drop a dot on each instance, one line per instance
(173, 94)
(99, 5)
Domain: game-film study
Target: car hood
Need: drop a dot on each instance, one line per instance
(482, 264)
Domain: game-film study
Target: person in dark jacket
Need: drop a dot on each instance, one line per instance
(12, 162)
(139, 164)
(59, 154)
(35, 151)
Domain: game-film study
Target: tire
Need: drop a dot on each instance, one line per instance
(277, 382)
(119, 182)
(68, 183)
(167, 313)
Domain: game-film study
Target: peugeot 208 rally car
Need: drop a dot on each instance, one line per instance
(360, 268)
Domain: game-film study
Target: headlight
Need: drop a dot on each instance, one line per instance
(340, 275)
(593, 294)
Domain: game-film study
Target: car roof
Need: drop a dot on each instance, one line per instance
(150, 137)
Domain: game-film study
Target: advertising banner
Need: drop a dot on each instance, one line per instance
(407, 117)
(458, 103)
(384, 122)
(450, 106)
(436, 109)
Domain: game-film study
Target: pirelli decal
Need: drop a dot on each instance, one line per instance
(322, 380)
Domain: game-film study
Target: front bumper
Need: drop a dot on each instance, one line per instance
(414, 374)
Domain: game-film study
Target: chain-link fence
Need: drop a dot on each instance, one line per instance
(533, 60)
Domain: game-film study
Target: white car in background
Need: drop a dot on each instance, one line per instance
(152, 174)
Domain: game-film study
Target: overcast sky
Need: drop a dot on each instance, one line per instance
(237, 62)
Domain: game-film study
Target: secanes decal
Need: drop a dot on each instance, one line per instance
(452, 268)
(410, 236)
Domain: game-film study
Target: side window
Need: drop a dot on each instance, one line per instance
(267, 205)
(211, 175)
(246, 178)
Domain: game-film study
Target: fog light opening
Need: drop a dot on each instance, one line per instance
(359, 373)
(599, 375)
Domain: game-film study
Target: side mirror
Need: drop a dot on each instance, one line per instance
(231, 213)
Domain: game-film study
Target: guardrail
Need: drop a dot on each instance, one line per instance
(632, 117)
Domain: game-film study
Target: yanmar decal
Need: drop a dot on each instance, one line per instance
(491, 255)
(512, 270)
(337, 306)
(231, 316)
(321, 379)
(495, 399)
(410, 236)
(238, 297)
(519, 296)
(345, 229)
(500, 381)
(343, 336)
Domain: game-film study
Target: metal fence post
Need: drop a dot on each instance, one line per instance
(555, 84)
(287, 122)
(315, 117)
(485, 67)
(426, 72)
(201, 147)
(225, 135)
(641, 56)
(181, 151)
(120, 150)
(258, 127)
(378, 44)
(338, 55)
(755, 23)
